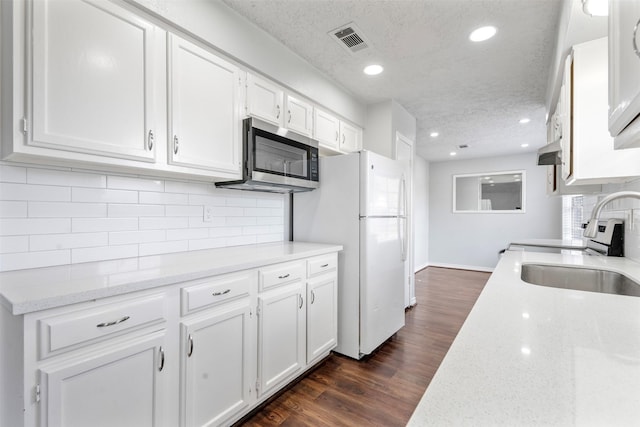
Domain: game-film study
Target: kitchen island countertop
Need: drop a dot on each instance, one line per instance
(530, 355)
(25, 291)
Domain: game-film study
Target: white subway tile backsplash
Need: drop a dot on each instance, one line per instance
(103, 195)
(13, 209)
(19, 261)
(53, 216)
(66, 210)
(129, 183)
(13, 174)
(42, 193)
(10, 244)
(48, 242)
(130, 210)
(163, 223)
(163, 198)
(65, 178)
(82, 225)
(103, 253)
(28, 226)
(128, 237)
(163, 247)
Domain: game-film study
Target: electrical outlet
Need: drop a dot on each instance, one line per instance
(208, 214)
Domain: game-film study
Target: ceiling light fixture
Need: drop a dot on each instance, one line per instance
(524, 120)
(596, 7)
(524, 145)
(453, 153)
(483, 33)
(373, 70)
(434, 134)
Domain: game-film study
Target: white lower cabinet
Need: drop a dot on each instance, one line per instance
(216, 369)
(200, 353)
(281, 336)
(122, 386)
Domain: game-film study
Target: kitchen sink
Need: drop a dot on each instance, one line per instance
(579, 278)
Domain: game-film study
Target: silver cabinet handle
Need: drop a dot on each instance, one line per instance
(161, 366)
(313, 296)
(337, 136)
(284, 277)
(226, 291)
(289, 121)
(343, 138)
(150, 140)
(635, 43)
(190, 352)
(278, 114)
(324, 266)
(113, 322)
(301, 301)
(175, 144)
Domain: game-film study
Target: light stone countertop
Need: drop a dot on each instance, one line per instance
(530, 355)
(25, 291)
(578, 244)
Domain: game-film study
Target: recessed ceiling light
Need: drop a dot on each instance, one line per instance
(373, 70)
(434, 134)
(524, 145)
(524, 121)
(453, 153)
(483, 33)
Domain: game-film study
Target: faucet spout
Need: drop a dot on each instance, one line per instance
(592, 226)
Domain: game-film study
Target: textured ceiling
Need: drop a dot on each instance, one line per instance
(471, 93)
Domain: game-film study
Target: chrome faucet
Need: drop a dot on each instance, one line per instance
(592, 226)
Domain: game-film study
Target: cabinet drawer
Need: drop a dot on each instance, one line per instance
(322, 264)
(215, 290)
(62, 332)
(280, 274)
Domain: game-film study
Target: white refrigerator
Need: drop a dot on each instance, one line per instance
(361, 204)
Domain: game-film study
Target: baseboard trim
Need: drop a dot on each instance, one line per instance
(461, 267)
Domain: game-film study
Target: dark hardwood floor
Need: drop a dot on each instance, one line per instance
(383, 389)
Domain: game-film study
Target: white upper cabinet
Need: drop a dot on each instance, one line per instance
(335, 135)
(265, 100)
(93, 79)
(587, 148)
(269, 102)
(624, 72)
(204, 117)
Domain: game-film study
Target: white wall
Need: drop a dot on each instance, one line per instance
(55, 216)
(473, 240)
(384, 120)
(420, 213)
(215, 23)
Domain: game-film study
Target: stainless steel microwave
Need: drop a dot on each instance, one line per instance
(276, 160)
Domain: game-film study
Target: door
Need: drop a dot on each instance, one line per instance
(322, 332)
(380, 182)
(299, 116)
(326, 129)
(121, 387)
(381, 281)
(349, 138)
(205, 124)
(281, 336)
(216, 371)
(265, 100)
(404, 154)
(93, 79)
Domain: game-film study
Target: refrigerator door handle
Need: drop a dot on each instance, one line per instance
(402, 217)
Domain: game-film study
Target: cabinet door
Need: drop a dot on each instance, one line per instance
(624, 64)
(299, 116)
(204, 101)
(123, 387)
(326, 129)
(322, 327)
(93, 75)
(216, 371)
(281, 336)
(350, 137)
(265, 100)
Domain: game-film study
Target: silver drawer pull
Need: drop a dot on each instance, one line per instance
(190, 352)
(284, 277)
(324, 265)
(161, 367)
(215, 294)
(114, 322)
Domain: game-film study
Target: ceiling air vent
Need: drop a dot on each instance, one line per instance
(463, 146)
(350, 37)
